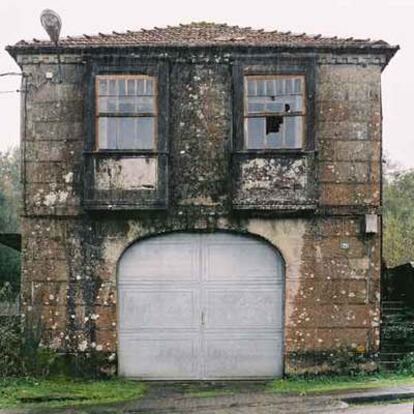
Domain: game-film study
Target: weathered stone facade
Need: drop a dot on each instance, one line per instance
(310, 205)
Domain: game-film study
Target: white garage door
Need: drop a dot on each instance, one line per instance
(200, 306)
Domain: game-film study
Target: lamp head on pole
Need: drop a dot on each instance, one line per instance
(52, 23)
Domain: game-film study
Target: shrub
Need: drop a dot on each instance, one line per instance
(406, 365)
(10, 334)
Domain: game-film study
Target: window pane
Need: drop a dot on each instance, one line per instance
(127, 133)
(289, 85)
(140, 86)
(274, 86)
(149, 87)
(298, 85)
(255, 130)
(112, 133)
(288, 103)
(107, 133)
(102, 87)
(261, 87)
(121, 87)
(127, 104)
(128, 136)
(131, 89)
(102, 127)
(251, 87)
(280, 87)
(146, 132)
(275, 139)
(293, 132)
(136, 133)
(113, 90)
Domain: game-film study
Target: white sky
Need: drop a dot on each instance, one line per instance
(391, 20)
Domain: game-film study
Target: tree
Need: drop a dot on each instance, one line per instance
(10, 201)
(399, 218)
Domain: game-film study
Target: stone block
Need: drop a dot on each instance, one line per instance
(350, 194)
(59, 130)
(325, 291)
(331, 150)
(70, 151)
(334, 339)
(335, 316)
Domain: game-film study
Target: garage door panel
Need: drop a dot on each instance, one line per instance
(158, 309)
(233, 262)
(166, 261)
(244, 308)
(159, 358)
(242, 357)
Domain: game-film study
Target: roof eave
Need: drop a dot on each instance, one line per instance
(388, 50)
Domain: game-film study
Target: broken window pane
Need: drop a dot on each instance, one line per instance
(273, 124)
(275, 104)
(274, 132)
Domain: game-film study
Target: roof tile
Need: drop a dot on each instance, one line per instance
(206, 34)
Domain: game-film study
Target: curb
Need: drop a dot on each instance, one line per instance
(362, 399)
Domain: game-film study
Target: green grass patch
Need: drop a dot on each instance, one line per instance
(62, 392)
(327, 383)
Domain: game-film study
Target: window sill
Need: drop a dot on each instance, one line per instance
(288, 208)
(110, 152)
(272, 152)
(93, 205)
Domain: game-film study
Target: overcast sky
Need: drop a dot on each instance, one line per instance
(391, 20)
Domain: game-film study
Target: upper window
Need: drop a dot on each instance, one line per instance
(274, 112)
(126, 112)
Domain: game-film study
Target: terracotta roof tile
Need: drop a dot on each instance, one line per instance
(206, 34)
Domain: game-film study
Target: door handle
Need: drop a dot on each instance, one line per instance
(202, 318)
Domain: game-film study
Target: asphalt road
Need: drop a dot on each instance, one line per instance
(405, 408)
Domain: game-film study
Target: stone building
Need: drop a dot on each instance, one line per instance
(203, 201)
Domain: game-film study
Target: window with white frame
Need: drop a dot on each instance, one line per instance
(274, 112)
(126, 112)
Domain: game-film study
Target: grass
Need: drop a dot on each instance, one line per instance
(63, 392)
(326, 383)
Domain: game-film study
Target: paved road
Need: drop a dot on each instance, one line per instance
(229, 398)
(245, 398)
